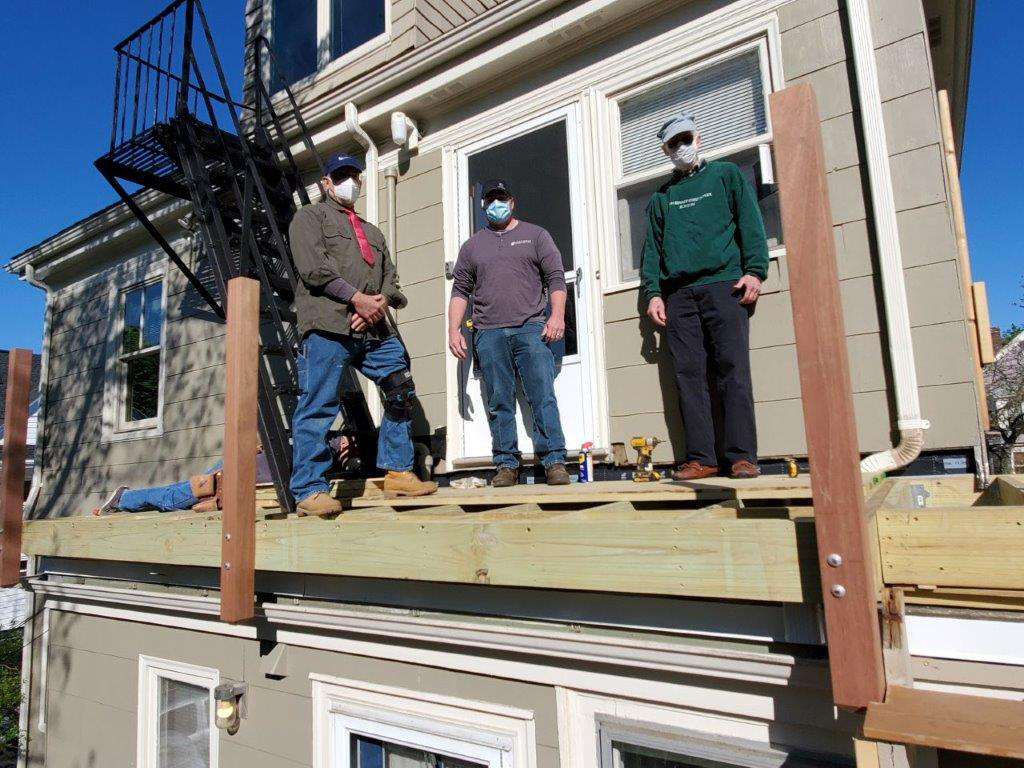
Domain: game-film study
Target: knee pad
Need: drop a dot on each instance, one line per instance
(398, 389)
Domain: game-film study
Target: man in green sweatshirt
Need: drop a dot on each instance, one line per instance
(703, 262)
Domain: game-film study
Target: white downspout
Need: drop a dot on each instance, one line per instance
(44, 379)
(894, 291)
(372, 191)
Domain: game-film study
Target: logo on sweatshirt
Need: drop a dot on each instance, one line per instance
(689, 202)
(520, 242)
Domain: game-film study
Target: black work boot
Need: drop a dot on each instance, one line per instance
(556, 475)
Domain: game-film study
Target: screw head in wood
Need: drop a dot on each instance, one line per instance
(835, 560)
(227, 537)
(838, 590)
(227, 566)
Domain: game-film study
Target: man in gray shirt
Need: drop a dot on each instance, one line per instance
(506, 268)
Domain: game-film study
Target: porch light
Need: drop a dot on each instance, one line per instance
(230, 705)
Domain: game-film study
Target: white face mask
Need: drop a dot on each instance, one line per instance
(347, 191)
(684, 156)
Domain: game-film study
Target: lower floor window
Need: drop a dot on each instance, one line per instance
(372, 753)
(176, 715)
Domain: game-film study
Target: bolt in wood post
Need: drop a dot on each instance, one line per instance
(844, 555)
(238, 518)
(19, 374)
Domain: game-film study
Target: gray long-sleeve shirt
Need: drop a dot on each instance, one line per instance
(506, 273)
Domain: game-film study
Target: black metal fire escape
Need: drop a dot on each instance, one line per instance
(178, 133)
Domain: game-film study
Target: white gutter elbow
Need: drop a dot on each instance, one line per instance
(372, 193)
(890, 256)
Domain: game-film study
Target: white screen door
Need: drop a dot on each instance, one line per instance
(541, 161)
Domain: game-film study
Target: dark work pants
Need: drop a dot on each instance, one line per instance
(711, 314)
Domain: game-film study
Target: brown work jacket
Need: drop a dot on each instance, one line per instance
(324, 247)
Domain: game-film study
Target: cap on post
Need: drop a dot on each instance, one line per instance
(336, 162)
(495, 185)
(681, 123)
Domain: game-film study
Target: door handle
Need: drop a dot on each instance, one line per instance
(579, 280)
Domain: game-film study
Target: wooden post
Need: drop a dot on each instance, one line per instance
(238, 519)
(847, 578)
(19, 374)
(956, 205)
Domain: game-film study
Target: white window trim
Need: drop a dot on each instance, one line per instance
(582, 744)
(151, 671)
(495, 735)
(114, 428)
(726, 47)
(325, 65)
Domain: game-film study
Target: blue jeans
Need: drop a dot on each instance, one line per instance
(502, 352)
(321, 365)
(163, 498)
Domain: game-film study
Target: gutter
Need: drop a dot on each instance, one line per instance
(890, 257)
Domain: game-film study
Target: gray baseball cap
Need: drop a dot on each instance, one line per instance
(675, 125)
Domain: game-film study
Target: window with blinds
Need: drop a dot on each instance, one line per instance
(727, 100)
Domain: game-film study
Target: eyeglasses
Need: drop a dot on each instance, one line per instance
(680, 138)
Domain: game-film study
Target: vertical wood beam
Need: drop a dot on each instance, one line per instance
(12, 481)
(956, 205)
(848, 585)
(238, 518)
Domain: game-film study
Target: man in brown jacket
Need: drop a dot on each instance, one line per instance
(346, 283)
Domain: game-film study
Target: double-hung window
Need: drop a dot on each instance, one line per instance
(728, 97)
(307, 35)
(138, 356)
(176, 715)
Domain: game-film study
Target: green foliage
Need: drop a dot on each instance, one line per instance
(10, 688)
(1009, 333)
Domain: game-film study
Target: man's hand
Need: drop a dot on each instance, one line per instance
(554, 328)
(656, 311)
(749, 287)
(457, 343)
(369, 308)
(357, 324)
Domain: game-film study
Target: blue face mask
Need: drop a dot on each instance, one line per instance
(499, 211)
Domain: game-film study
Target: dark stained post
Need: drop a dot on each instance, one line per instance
(19, 374)
(844, 554)
(238, 519)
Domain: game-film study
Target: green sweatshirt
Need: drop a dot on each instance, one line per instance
(703, 228)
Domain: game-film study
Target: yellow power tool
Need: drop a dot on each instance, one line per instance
(645, 471)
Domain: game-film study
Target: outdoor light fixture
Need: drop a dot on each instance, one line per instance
(229, 697)
(404, 131)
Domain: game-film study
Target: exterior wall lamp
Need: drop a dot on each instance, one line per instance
(229, 698)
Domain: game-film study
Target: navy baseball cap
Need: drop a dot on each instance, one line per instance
(495, 185)
(336, 162)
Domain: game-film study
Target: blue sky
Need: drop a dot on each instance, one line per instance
(57, 111)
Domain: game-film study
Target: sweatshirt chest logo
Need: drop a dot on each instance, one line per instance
(520, 242)
(690, 202)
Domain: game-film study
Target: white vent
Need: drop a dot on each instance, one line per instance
(726, 99)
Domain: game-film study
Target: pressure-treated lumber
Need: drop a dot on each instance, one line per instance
(238, 547)
(963, 252)
(745, 559)
(977, 547)
(12, 480)
(985, 349)
(978, 724)
(849, 590)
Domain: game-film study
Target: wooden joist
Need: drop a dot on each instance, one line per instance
(677, 553)
(979, 547)
(978, 724)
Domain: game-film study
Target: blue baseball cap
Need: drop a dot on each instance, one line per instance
(681, 123)
(335, 162)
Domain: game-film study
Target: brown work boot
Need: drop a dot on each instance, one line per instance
(203, 485)
(694, 470)
(318, 505)
(407, 484)
(744, 469)
(556, 475)
(505, 477)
